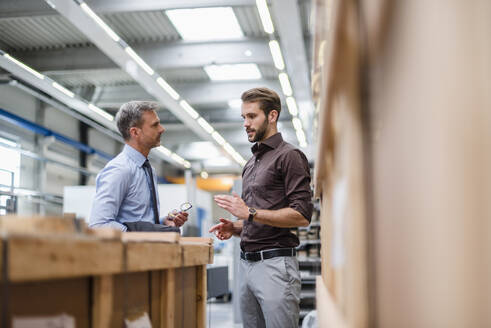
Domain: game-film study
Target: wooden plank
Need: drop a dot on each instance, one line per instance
(160, 237)
(152, 256)
(201, 296)
(102, 308)
(60, 256)
(194, 254)
(168, 298)
(198, 240)
(185, 301)
(40, 225)
(105, 233)
(328, 314)
(155, 297)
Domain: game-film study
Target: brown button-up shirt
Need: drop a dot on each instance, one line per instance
(276, 177)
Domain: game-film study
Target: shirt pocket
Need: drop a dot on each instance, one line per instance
(270, 187)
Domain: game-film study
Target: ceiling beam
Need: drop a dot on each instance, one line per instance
(195, 93)
(158, 55)
(29, 8)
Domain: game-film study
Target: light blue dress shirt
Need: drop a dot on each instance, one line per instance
(123, 192)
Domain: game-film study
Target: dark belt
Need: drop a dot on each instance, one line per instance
(267, 254)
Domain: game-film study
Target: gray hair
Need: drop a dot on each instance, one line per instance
(130, 115)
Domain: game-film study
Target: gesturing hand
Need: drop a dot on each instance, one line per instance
(223, 230)
(233, 204)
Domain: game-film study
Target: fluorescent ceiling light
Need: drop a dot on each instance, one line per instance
(167, 88)
(263, 9)
(233, 72)
(164, 151)
(229, 149)
(301, 138)
(285, 84)
(190, 110)
(138, 60)
(24, 66)
(297, 124)
(177, 158)
(274, 47)
(99, 21)
(62, 89)
(292, 106)
(235, 103)
(204, 174)
(206, 23)
(218, 138)
(101, 112)
(205, 125)
(187, 164)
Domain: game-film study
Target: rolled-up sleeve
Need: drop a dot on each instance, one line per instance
(297, 183)
(111, 188)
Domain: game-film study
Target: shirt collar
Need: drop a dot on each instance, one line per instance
(134, 155)
(272, 142)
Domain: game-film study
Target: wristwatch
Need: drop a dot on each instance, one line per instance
(252, 214)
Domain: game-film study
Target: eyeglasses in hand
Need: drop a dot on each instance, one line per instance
(183, 208)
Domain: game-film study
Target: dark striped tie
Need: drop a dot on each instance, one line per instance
(148, 168)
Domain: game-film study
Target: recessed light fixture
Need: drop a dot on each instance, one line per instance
(205, 23)
(248, 53)
(233, 72)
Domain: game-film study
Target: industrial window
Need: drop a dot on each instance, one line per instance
(9, 170)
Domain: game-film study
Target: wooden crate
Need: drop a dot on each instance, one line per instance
(102, 278)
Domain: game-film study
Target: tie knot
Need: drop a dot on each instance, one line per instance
(146, 164)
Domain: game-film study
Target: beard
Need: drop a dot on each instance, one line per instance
(260, 132)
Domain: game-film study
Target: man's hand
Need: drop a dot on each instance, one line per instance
(233, 204)
(176, 220)
(223, 230)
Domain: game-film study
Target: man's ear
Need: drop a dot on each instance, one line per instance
(273, 116)
(134, 131)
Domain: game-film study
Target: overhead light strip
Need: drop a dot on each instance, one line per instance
(139, 60)
(274, 47)
(24, 66)
(265, 16)
(99, 21)
(63, 89)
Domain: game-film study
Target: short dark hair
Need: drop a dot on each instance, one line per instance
(268, 99)
(130, 115)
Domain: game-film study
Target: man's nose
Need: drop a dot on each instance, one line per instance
(162, 129)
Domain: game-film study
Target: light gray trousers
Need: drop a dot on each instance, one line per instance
(270, 293)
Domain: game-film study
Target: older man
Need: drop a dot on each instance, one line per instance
(126, 194)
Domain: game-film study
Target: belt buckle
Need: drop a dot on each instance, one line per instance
(262, 258)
